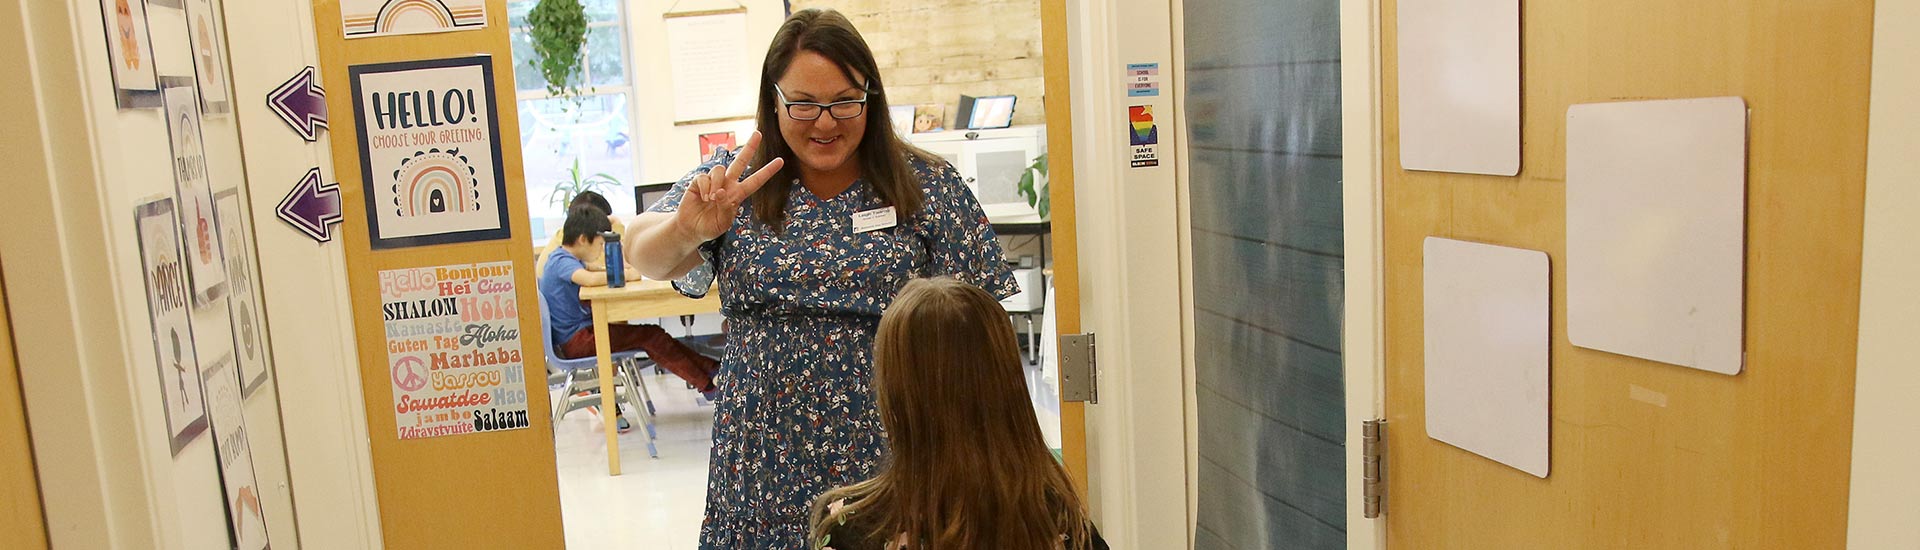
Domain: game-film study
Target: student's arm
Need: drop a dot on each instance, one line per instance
(588, 277)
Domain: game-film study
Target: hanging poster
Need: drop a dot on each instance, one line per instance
(1143, 79)
(711, 143)
(205, 264)
(243, 294)
(167, 311)
(130, 51)
(710, 66)
(1143, 136)
(246, 524)
(209, 56)
(370, 18)
(430, 151)
(453, 349)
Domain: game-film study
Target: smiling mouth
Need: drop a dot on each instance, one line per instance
(827, 141)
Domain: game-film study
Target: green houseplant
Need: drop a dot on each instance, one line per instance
(577, 183)
(1036, 196)
(558, 29)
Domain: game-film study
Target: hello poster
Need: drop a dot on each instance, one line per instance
(430, 151)
(246, 523)
(206, 260)
(453, 349)
(168, 307)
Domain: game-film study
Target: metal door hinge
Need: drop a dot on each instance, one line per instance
(1374, 468)
(1079, 369)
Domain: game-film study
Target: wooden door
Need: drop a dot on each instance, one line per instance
(1647, 455)
(23, 521)
(1066, 263)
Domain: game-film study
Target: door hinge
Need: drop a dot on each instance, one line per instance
(1079, 369)
(1374, 468)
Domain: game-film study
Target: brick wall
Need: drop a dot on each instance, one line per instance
(932, 51)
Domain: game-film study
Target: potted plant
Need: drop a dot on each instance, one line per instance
(576, 183)
(1036, 196)
(558, 29)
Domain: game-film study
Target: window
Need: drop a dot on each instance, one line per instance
(594, 130)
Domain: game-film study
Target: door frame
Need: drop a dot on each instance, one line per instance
(1883, 481)
(1364, 332)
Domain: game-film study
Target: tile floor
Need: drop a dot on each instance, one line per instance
(656, 503)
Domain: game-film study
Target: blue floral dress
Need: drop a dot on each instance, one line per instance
(796, 412)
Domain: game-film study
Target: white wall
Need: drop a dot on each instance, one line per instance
(1883, 511)
(668, 152)
(309, 314)
(1129, 274)
(80, 165)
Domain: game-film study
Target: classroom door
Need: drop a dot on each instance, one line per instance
(1066, 251)
(1262, 108)
(22, 520)
(1646, 455)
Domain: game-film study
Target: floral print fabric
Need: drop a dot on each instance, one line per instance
(796, 411)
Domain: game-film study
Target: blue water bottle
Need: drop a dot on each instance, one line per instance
(616, 264)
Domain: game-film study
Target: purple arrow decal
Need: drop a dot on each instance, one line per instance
(301, 103)
(312, 207)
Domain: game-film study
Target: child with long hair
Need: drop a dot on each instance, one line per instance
(968, 468)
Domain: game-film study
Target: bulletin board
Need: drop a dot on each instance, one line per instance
(1646, 454)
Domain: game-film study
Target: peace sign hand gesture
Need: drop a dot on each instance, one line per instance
(713, 199)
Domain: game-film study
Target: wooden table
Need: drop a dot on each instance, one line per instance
(637, 300)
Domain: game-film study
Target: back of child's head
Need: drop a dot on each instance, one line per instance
(969, 467)
(586, 221)
(593, 199)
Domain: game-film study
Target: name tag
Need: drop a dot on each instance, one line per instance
(878, 218)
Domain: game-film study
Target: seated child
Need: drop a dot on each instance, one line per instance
(968, 467)
(580, 261)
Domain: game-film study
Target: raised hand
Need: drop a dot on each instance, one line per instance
(713, 198)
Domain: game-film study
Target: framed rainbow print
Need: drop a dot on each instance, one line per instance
(430, 151)
(130, 52)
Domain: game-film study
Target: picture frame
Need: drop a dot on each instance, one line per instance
(252, 350)
(929, 117)
(439, 181)
(206, 37)
(170, 314)
(194, 189)
(136, 84)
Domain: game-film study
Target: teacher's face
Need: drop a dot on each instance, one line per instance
(825, 144)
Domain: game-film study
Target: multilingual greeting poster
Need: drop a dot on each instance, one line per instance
(453, 349)
(430, 151)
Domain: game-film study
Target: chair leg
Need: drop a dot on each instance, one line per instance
(566, 397)
(634, 383)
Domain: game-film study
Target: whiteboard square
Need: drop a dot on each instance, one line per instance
(1487, 350)
(1459, 86)
(1656, 230)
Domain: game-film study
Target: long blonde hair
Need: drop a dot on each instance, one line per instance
(969, 467)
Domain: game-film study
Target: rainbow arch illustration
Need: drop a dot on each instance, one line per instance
(411, 16)
(435, 182)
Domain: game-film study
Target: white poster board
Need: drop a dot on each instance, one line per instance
(206, 262)
(709, 63)
(1487, 349)
(453, 349)
(246, 522)
(243, 296)
(1656, 230)
(1459, 74)
(169, 305)
(370, 18)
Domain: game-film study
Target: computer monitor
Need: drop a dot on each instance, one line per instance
(645, 195)
(985, 113)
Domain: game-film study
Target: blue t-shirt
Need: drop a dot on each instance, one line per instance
(565, 312)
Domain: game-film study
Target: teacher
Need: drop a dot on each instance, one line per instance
(809, 249)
